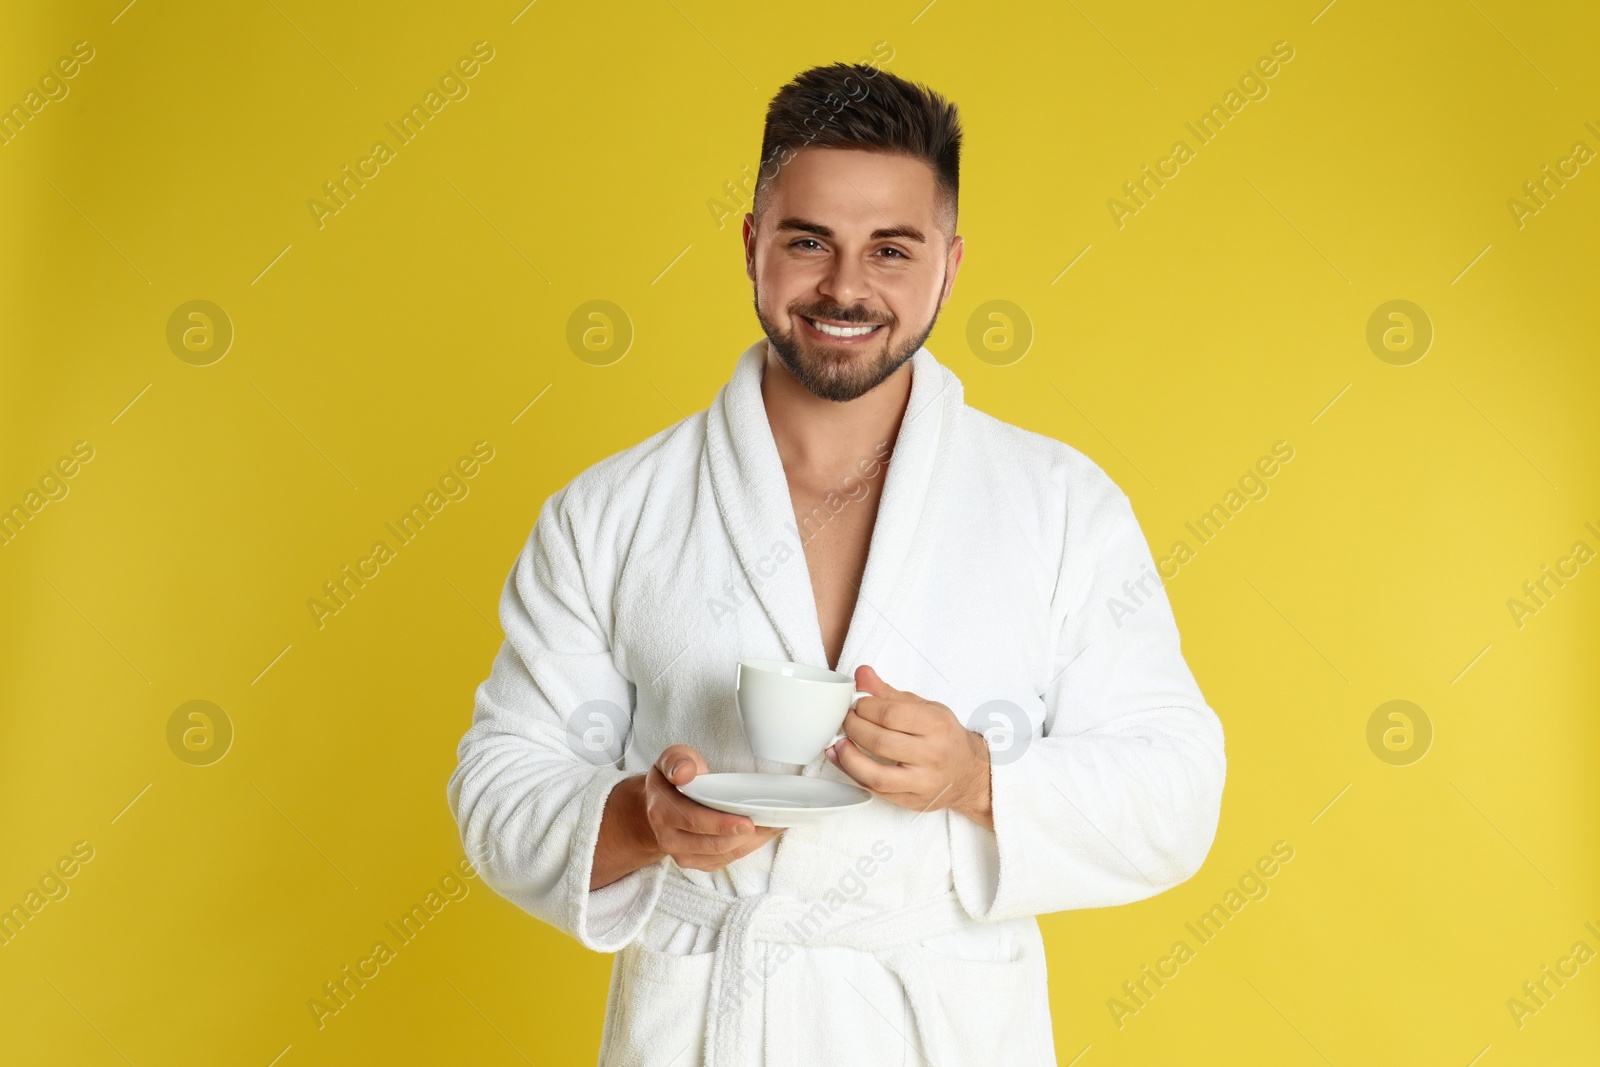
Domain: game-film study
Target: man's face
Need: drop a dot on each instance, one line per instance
(849, 240)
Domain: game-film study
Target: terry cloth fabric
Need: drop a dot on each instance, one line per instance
(880, 935)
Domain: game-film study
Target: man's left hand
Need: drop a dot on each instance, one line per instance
(938, 762)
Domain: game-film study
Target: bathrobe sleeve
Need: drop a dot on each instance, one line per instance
(1118, 798)
(527, 792)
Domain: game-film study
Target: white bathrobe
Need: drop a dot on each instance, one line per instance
(1006, 578)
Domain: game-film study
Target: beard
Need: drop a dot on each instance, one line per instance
(841, 373)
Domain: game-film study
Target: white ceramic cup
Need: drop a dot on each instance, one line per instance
(790, 711)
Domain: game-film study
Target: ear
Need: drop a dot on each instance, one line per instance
(749, 233)
(958, 249)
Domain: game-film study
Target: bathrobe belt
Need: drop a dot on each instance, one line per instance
(892, 937)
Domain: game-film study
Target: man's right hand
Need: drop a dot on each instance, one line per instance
(696, 837)
(646, 818)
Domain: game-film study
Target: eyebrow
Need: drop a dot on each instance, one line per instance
(910, 233)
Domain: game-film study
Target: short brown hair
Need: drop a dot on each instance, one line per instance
(852, 105)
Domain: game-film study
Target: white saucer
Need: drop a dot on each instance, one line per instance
(775, 799)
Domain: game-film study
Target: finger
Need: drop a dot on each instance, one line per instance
(733, 848)
(677, 811)
(699, 819)
(890, 744)
(868, 680)
(901, 715)
(678, 843)
(868, 772)
(763, 835)
(694, 861)
(686, 843)
(681, 763)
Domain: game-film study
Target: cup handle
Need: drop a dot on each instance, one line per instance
(857, 695)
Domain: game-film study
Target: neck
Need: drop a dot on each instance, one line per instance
(824, 439)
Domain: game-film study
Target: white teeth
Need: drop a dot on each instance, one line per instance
(842, 331)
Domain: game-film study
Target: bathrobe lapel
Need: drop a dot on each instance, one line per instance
(752, 495)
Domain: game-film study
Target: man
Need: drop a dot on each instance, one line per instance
(902, 931)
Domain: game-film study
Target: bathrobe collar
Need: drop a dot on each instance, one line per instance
(752, 494)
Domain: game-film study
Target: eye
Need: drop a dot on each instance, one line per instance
(805, 240)
(898, 254)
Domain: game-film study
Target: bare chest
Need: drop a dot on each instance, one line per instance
(836, 530)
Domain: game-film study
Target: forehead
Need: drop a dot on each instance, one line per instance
(856, 189)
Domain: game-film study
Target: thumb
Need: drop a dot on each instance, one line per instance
(868, 681)
(681, 764)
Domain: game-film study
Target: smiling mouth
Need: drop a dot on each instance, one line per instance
(842, 333)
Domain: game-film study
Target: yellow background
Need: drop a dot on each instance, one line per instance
(429, 312)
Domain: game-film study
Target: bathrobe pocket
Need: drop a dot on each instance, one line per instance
(988, 1004)
(662, 1011)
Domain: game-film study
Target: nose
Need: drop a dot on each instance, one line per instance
(846, 283)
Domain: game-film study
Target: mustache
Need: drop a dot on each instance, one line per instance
(856, 316)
